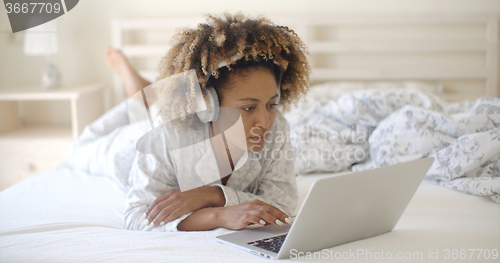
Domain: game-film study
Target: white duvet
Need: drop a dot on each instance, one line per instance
(369, 128)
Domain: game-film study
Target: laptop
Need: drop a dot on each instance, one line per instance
(338, 209)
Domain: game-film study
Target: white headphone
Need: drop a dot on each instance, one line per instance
(213, 106)
(213, 109)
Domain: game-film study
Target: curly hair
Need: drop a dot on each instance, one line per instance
(254, 41)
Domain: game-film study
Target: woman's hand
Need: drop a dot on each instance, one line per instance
(176, 203)
(251, 212)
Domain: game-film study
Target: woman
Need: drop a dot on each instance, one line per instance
(241, 59)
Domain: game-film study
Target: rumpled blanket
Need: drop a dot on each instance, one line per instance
(371, 128)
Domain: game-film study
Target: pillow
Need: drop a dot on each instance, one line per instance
(325, 92)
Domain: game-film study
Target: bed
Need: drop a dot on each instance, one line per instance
(64, 215)
(70, 216)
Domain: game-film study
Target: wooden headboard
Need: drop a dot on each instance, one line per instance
(459, 51)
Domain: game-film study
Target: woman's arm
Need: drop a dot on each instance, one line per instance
(176, 203)
(234, 217)
(200, 220)
(154, 193)
(152, 175)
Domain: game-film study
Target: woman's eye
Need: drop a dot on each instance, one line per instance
(272, 106)
(248, 108)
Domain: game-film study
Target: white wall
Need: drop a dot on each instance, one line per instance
(84, 32)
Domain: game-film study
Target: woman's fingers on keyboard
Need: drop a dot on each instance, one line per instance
(281, 218)
(278, 217)
(269, 213)
(268, 218)
(256, 220)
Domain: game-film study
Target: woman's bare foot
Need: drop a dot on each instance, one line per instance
(119, 64)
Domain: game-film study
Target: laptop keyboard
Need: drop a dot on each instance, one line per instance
(272, 244)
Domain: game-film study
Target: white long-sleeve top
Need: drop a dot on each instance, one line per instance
(267, 175)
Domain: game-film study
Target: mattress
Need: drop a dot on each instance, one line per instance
(69, 216)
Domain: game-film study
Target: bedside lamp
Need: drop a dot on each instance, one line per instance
(42, 41)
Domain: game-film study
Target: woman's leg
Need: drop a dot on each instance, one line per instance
(107, 146)
(119, 64)
(117, 116)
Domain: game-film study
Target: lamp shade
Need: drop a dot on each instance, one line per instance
(41, 40)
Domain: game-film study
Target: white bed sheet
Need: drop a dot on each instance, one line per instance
(68, 216)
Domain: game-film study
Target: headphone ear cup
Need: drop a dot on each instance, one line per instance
(213, 109)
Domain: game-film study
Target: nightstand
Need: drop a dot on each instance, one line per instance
(30, 148)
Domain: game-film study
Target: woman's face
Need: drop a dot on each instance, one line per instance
(254, 95)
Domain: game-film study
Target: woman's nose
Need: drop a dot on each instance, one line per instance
(262, 119)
